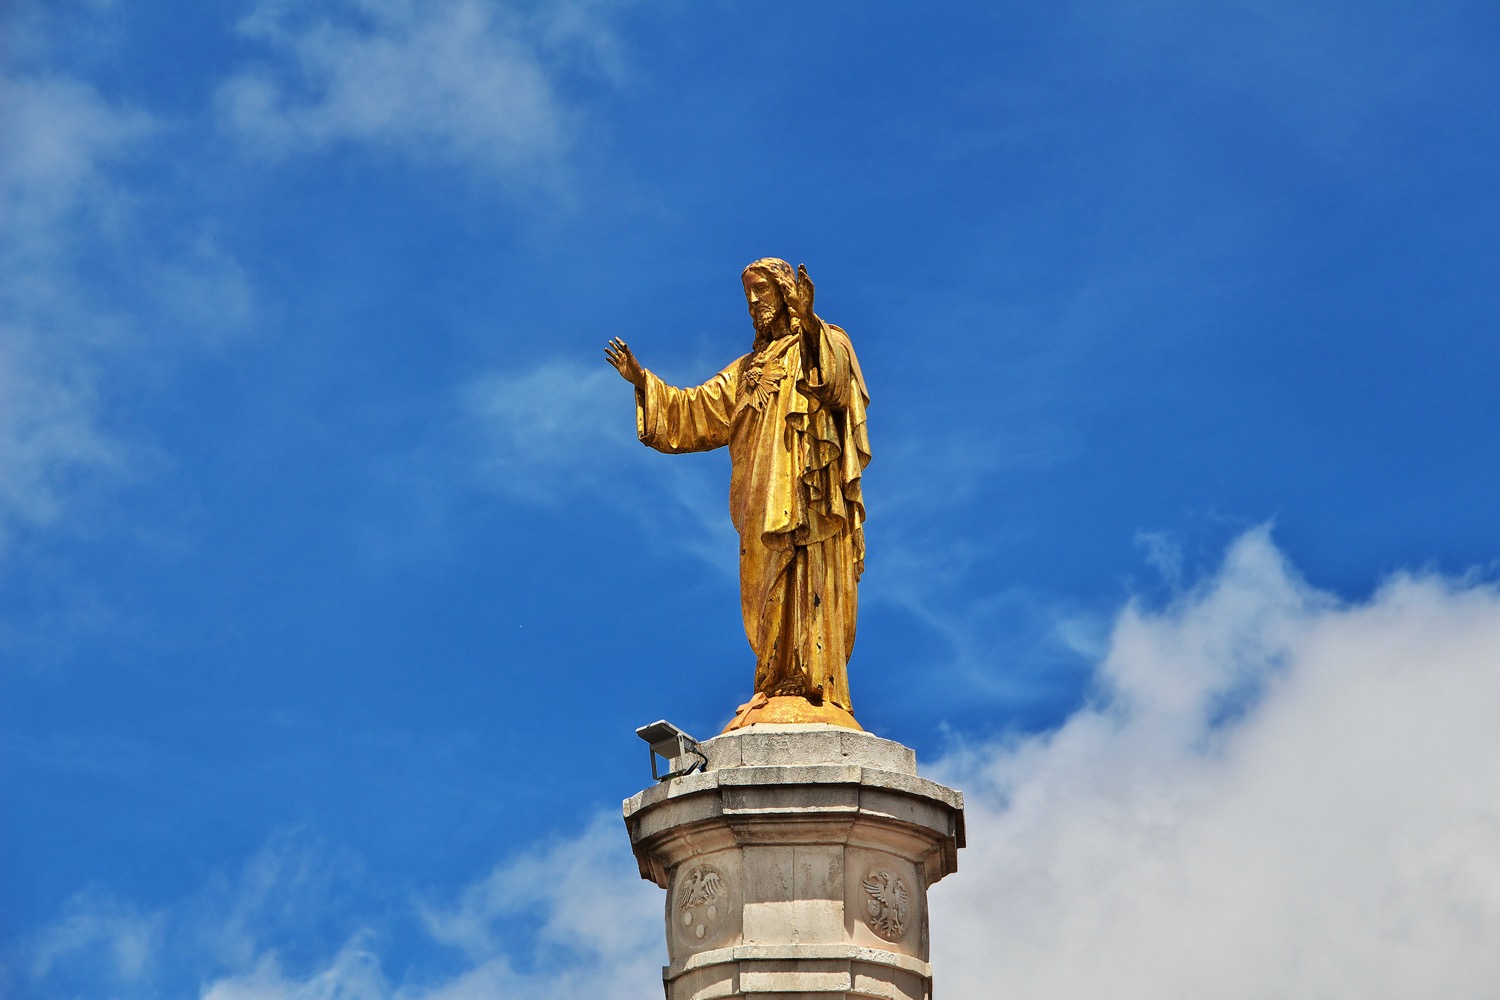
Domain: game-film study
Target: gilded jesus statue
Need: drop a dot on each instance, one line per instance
(792, 413)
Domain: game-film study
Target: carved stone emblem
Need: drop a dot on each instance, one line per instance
(702, 902)
(888, 910)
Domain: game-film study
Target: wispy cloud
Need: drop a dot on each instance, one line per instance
(352, 974)
(545, 431)
(469, 82)
(1276, 794)
(1006, 647)
(99, 936)
(81, 283)
(562, 430)
(589, 927)
(61, 137)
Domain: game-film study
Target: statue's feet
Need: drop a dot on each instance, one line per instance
(790, 710)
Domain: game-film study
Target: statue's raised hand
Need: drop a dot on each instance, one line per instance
(617, 353)
(801, 304)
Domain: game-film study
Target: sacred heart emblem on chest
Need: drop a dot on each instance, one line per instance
(761, 381)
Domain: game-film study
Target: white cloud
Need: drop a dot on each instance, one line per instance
(471, 82)
(598, 923)
(564, 882)
(1275, 795)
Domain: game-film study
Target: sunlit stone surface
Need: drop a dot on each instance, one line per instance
(798, 864)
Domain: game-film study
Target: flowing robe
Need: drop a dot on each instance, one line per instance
(797, 446)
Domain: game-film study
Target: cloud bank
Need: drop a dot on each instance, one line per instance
(1276, 794)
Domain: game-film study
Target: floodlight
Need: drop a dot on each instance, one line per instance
(670, 743)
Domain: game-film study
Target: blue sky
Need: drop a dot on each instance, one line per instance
(333, 582)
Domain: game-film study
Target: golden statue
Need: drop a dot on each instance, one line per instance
(792, 412)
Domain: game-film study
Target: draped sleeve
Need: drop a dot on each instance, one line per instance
(677, 420)
(836, 373)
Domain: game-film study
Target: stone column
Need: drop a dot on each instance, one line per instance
(797, 865)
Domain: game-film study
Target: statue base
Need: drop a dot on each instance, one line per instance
(790, 711)
(797, 865)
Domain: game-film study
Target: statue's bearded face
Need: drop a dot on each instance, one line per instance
(764, 299)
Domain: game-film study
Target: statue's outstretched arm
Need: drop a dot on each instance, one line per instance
(696, 418)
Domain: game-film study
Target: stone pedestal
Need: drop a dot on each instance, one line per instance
(797, 865)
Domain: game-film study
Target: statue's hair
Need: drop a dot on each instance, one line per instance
(780, 273)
